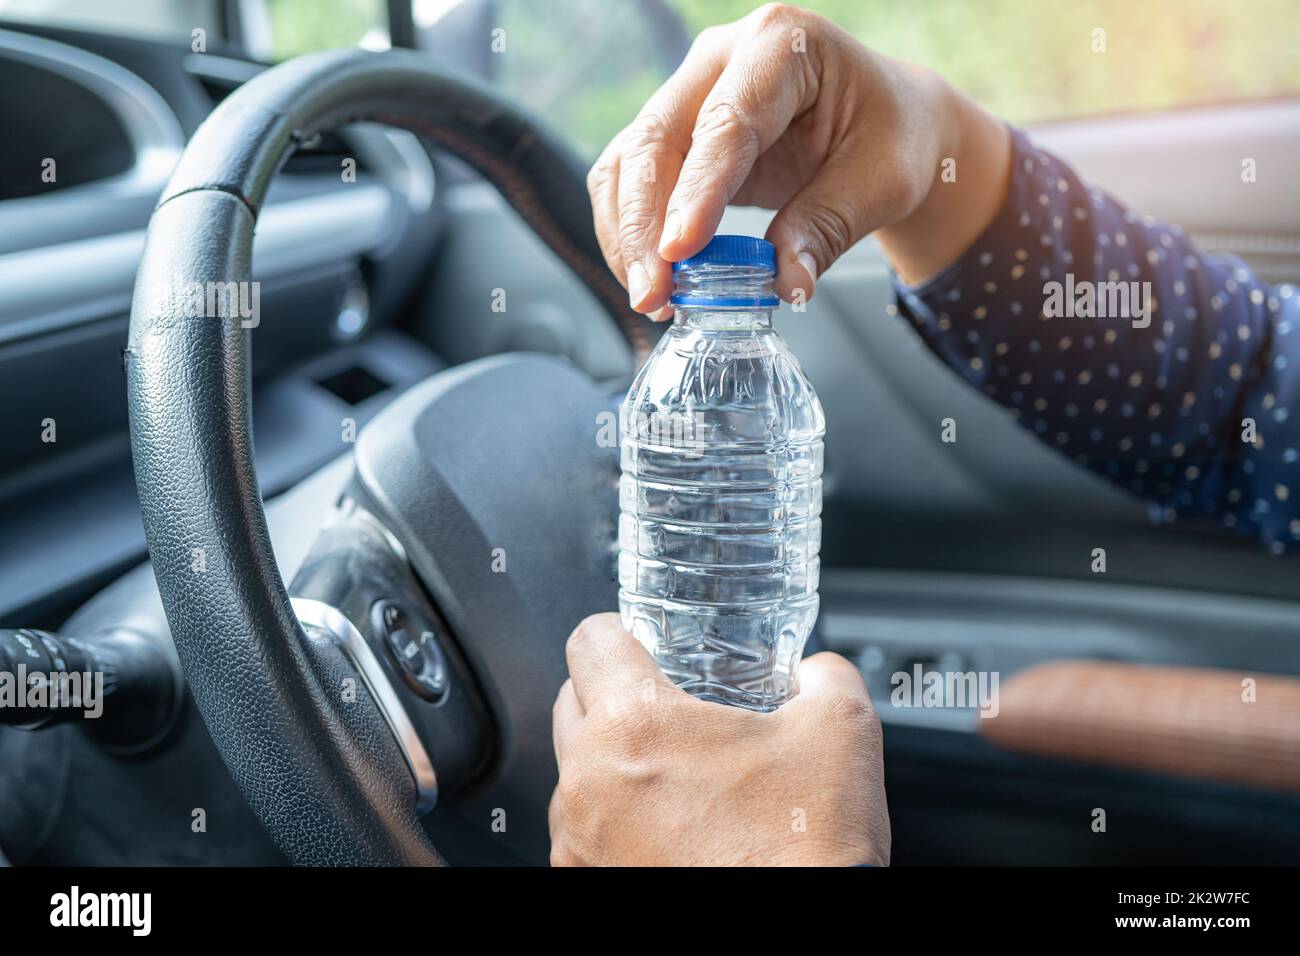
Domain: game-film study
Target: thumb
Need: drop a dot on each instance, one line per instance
(832, 693)
(609, 667)
(817, 226)
(827, 675)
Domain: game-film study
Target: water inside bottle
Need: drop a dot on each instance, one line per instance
(720, 495)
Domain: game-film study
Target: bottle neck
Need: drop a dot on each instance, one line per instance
(720, 298)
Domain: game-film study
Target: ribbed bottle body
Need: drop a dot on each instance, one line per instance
(720, 501)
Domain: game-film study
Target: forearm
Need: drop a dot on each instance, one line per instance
(1114, 340)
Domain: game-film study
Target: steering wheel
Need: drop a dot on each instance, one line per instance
(417, 660)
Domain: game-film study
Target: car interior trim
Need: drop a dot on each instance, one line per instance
(1200, 722)
(57, 286)
(150, 124)
(321, 618)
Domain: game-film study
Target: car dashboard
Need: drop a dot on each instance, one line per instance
(345, 224)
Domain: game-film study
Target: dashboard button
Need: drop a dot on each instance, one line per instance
(415, 650)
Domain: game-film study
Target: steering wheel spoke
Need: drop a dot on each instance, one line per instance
(356, 590)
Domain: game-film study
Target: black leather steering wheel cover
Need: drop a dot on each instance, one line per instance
(326, 780)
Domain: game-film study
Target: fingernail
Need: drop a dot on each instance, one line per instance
(638, 284)
(672, 229)
(663, 315)
(806, 260)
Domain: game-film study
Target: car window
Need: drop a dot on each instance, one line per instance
(279, 29)
(586, 65)
(1029, 60)
(589, 65)
(1025, 60)
(162, 19)
(589, 69)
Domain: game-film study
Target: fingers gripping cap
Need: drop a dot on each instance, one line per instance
(733, 251)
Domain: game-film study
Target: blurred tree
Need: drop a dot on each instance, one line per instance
(301, 26)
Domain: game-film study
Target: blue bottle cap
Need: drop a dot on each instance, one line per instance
(743, 251)
(733, 251)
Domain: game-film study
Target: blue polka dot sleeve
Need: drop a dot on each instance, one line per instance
(1109, 336)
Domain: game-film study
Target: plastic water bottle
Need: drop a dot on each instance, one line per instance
(721, 491)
